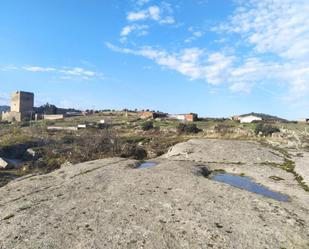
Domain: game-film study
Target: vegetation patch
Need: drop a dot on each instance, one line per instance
(8, 217)
(204, 171)
(219, 171)
(135, 165)
(146, 126)
(276, 178)
(187, 128)
(224, 162)
(289, 166)
(281, 151)
(265, 129)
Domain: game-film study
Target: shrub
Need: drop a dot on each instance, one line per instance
(68, 139)
(265, 130)
(24, 124)
(133, 151)
(148, 125)
(187, 128)
(223, 128)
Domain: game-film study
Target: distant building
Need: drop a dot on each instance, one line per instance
(304, 120)
(21, 107)
(187, 117)
(22, 102)
(249, 119)
(152, 115)
(235, 118)
(53, 116)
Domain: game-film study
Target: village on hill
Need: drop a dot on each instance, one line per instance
(139, 134)
(188, 165)
(22, 109)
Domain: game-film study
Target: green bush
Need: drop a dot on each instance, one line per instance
(148, 125)
(68, 139)
(187, 128)
(265, 129)
(24, 124)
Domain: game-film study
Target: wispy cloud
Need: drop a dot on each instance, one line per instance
(38, 69)
(279, 29)
(269, 48)
(68, 73)
(141, 29)
(142, 2)
(240, 75)
(194, 63)
(137, 16)
(143, 18)
(195, 34)
(154, 13)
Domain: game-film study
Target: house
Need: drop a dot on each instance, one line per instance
(304, 120)
(187, 117)
(249, 119)
(152, 115)
(235, 118)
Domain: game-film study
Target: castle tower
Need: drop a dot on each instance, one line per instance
(22, 102)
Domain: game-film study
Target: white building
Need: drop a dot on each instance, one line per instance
(249, 119)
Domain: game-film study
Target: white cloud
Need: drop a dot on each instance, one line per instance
(280, 30)
(154, 13)
(38, 69)
(78, 71)
(127, 30)
(240, 87)
(167, 20)
(137, 16)
(68, 73)
(240, 75)
(272, 48)
(8, 68)
(142, 2)
(195, 34)
(194, 63)
(131, 28)
(280, 27)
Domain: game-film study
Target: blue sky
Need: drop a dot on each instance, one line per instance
(213, 57)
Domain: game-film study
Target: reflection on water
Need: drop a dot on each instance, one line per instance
(249, 185)
(147, 165)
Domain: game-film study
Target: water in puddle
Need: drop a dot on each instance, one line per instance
(147, 165)
(15, 162)
(247, 184)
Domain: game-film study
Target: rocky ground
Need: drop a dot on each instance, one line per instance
(110, 204)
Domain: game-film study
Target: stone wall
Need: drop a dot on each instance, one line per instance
(12, 116)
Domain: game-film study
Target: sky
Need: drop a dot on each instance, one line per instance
(216, 58)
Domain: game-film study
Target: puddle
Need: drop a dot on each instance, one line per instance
(15, 162)
(147, 165)
(246, 183)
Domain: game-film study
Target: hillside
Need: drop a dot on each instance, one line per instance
(266, 117)
(4, 108)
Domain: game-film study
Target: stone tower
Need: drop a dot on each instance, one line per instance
(22, 102)
(21, 107)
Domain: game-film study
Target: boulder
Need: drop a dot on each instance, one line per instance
(30, 153)
(4, 164)
(66, 164)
